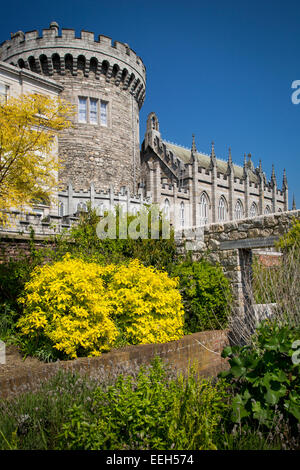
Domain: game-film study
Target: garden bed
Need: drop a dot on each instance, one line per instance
(202, 349)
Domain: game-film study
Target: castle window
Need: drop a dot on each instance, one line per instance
(61, 209)
(203, 209)
(222, 209)
(82, 109)
(93, 111)
(267, 210)
(3, 93)
(103, 115)
(100, 209)
(182, 214)
(167, 209)
(238, 210)
(253, 210)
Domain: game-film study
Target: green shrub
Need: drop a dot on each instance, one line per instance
(206, 292)
(264, 376)
(150, 412)
(8, 319)
(83, 242)
(291, 240)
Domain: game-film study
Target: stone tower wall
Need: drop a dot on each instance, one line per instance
(105, 155)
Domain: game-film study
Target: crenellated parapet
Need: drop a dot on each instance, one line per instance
(74, 201)
(53, 53)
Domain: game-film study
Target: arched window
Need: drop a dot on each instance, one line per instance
(81, 63)
(32, 64)
(69, 62)
(21, 64)
(100, 209)
(104, 67)
(238, 211)
(222, 209)
(56, 63)
(93, 64)
(61, 209)
(124, 75)
(253, 210)
(167, 208)
(182, 214)
(81, 207)
(44, 64)
(203, 209)
(267, 210)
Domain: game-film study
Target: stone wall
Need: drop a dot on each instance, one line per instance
(231, 243)
(201, 349)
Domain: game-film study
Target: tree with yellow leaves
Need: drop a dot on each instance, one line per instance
(28, 161)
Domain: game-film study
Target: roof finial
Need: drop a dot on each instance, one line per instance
(213, 149)
(194, 150)
(260, 166)
(294, 207)
(229, 156)
(273, 177)
(284, 181)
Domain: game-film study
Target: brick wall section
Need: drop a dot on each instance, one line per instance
(15, 247)
(269, 260)
(192, 349)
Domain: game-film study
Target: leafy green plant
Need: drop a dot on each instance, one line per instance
(206, 292)
(8, 318)
(264, 377)
(150, 412)
(82, 241)
(291, 240)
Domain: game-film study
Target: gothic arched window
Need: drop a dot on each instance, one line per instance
(267, 210)
(203, 209)
(222, 209)
(100, 209)
(182, 214)
(167, 208)
(253, 210)
(238, 211)
(61, 209)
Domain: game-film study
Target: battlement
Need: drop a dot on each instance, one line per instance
(51, 53)
(71, 201)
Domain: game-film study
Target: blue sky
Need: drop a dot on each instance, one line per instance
(219, 69)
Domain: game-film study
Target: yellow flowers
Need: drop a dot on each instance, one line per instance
(84, 307)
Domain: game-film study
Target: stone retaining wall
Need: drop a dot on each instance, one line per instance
(202, 349)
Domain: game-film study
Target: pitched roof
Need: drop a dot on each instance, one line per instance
(184, 154)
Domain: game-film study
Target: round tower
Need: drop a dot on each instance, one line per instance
(106, 84)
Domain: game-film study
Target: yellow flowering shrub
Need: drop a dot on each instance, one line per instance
(82, 308)
(147, 304)
(66, 303)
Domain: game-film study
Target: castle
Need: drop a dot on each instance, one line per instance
(103, 160)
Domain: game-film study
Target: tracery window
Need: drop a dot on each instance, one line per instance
(203, 209)
(222, 209)
(167, 208)
(238, 211)
(253, 210)
(182, 214)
